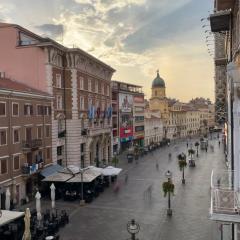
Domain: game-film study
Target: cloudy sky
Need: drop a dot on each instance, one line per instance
(136, 37)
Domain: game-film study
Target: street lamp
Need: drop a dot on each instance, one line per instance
(155, 129)
(81, 171)
(168, 175)
(133, 228)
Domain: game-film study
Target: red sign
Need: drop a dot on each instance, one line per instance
(126, 132)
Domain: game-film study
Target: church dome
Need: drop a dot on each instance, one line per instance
(158, 82)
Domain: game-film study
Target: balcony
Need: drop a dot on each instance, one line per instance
(31, 169)
(220, 21)
(62, 134)
(32, 145)
(225, 205)
(224, 4)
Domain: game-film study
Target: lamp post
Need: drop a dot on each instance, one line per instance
(168, 175)
(133, 228)
(155, 129)
(81, 171)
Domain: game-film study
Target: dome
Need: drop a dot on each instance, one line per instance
(158, 82)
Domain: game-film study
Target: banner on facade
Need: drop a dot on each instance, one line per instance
(125, 103)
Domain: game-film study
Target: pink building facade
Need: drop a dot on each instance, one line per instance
(77, 81)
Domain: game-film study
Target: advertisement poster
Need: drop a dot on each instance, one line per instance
(126, 127)
(125, 103)
(139, 99)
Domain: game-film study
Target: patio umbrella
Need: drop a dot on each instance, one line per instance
(7, 200)
(27, 218)
(52, 187)
(38, 205)
(111, 171)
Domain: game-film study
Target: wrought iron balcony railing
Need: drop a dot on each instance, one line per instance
(225, 204)
(32, 144)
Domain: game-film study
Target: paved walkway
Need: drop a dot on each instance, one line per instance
(106, 217)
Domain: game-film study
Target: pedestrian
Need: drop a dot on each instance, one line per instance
(169, 156)
(219, 143)
(157, 166)
(206, 148)
(187, 144)
(126, 178)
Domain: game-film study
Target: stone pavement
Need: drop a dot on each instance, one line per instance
(106, 217)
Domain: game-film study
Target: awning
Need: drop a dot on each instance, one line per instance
(58, 177)
(111, 171)
(50, 170)
(88, 176)
(8, 216)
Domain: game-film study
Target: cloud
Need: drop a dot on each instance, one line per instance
(51, 30)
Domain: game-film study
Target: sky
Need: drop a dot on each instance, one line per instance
(135, 37)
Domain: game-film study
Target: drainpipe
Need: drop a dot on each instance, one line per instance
(64, 105)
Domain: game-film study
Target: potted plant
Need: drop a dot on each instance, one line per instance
(182, 164)
(191, 152)
(197, 145)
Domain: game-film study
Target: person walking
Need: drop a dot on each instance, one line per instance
(219, 143)
(187, 144)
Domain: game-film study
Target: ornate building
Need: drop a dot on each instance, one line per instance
(159, 101)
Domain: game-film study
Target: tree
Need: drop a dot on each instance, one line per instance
(168, 187)
(115, 160)
(182, 164)
(197, 145)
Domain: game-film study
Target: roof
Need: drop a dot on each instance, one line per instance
(45, 41)
(7, 84)
(158, 81)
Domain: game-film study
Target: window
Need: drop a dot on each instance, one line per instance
(108, 93)
(40, 110)
(89, 85)
(58, 80)
(47, 131)
(15, 109)
(102, 88)
(2, 109)
(28, 109)
(39, 132)
(59, 102)
(59, 151)
(90, 102)
(3, 166)
(61, 125)
(81, 80)
(16, 162)
(16, 136)
(3, 137)
(96, 86)
(81, 103)
(103, 106)
(47, 110)
(48, 153)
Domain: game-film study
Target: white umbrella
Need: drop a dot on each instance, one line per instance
(52, 187)
(111, 171)
(7, 200)
(38, 205)
(27, 218)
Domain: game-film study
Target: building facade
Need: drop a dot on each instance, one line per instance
(224, 21)
(128, 108)
(153, 128)
(80, 85)
(25, 138)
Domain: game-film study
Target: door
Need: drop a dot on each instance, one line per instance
(17, 194)
(29, 158)
(28, 134)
